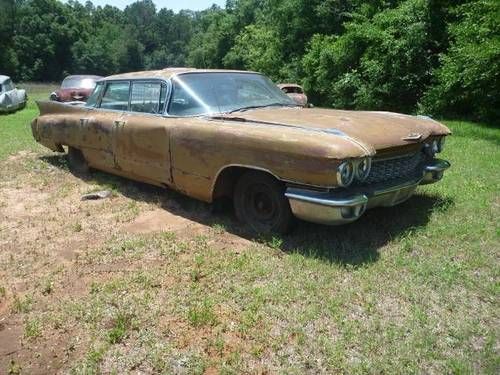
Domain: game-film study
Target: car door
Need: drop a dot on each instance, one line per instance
(10, 92)
(98, 125)
(142, 134)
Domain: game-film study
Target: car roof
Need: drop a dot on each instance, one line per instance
(4, 78)
(282, 85)
(82, 76)
(168, 72)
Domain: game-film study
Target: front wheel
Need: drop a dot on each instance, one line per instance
(260, 202)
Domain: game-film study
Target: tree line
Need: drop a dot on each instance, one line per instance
(440, 57)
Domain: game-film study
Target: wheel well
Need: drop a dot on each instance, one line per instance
(227, 178)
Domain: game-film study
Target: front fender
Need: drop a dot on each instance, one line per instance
(201, 148)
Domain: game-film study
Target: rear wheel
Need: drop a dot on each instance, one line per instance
(260, 202)
(77, 162)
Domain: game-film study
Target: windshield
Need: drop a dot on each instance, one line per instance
(205, 93)
(78, 83)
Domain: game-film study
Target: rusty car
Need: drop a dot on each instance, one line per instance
(295, 92)
(11, 98)
(219, 134)
(75, 89)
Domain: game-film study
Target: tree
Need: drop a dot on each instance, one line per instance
(467, 82)
(381, 62)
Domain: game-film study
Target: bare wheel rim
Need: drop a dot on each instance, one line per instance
(260, 206)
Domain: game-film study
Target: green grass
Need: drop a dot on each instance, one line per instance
(15, 128)
(409, 289)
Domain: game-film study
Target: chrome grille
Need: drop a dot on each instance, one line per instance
(402, 167)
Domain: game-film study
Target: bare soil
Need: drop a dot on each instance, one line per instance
(45, 228)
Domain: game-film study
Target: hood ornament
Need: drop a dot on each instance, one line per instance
(413, 137)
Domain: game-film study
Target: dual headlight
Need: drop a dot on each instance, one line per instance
(435, 147)
(349, 170)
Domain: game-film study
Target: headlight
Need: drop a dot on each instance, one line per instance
(362, 168)
(345, 173)
(440, 144)
(54, 96)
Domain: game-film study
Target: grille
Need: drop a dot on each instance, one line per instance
(390, 169)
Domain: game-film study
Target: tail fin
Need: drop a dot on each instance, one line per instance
(47, 107)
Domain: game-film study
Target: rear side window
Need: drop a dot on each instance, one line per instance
(116, 96)
(94, 97)
(148, 97)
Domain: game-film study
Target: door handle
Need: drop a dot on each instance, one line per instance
(84, 121)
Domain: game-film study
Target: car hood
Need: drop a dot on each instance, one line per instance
(378, 130)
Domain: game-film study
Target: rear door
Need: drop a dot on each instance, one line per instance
(99, 124)
(142, 135)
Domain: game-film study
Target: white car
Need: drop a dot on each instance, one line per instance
(11, 98)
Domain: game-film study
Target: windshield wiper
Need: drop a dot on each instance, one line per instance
(242, 109)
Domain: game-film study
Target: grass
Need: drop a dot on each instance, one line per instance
(409, 289)
(15, 128)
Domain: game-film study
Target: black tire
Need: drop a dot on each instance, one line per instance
(260, 202)
(77, 162)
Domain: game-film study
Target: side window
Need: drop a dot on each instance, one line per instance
(146, 97)
(8, 85)
(94, 97)
(116, 96)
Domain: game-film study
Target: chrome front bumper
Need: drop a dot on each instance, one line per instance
(334, 208)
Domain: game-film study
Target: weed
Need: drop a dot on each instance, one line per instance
(47, 286)
(14, 368)
(22, 304)
(77, 227)
(32, 328)
(121, 325)
(202, 314)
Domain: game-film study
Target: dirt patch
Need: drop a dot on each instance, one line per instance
(160, 220)
(46, 234)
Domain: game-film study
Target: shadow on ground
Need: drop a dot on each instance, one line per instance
(353, 244)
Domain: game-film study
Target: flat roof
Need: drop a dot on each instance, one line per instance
(169, 72)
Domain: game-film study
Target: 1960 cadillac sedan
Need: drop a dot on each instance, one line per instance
(212, 134)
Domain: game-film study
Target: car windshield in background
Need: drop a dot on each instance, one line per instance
(206, 93)
(78, 83)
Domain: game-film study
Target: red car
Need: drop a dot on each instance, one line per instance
(295, 92)
(75, 88)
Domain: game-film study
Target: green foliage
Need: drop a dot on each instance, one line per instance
(439, 57)
(468, 80)
(381, 62)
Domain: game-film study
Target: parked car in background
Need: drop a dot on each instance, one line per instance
(75, 88)
(11, 98)
(295, 92)
(214, 134)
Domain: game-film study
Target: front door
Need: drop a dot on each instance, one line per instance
(141, 136)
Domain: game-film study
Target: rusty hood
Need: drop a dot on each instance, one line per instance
(378, 130)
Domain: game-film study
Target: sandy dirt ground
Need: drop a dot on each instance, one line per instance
(45, 232)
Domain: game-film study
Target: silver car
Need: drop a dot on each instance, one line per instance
(11, 98)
